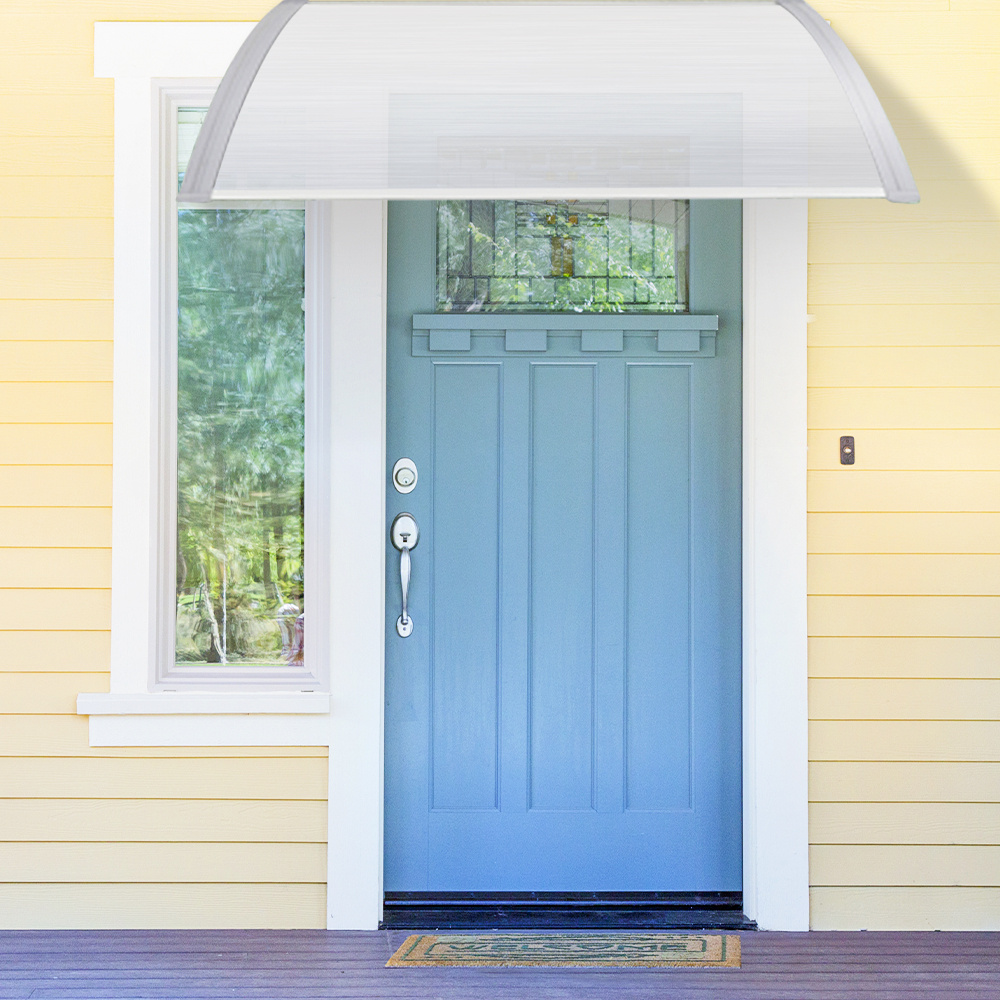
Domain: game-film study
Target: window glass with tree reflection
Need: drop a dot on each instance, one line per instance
(562, 256)
(240, 432)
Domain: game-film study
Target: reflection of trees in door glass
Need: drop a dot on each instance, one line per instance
(562, 256)
(240, 436)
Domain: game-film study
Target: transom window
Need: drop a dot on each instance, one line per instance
(562, 256)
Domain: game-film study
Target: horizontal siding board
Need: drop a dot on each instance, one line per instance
(54, 486)
(55, 609)
(891, 281)
(86, 239)
(904, 532)
(903, 656)
(904, 407)
(55, 444)
(138, 863)
(55, 361)
(152, 906)
(54, 736)
(56, 567)
(966, 449)
(56, 115)
(44, 650)
(904, 366)
(167, 820)
(38, 693)
(865, 490)
(163, 778)
(56, 319)
(55, 278)
(904, 698)
(905, 864)
(904, 781)
(55, 197)
(924, 243)
(60, 402)
(918, 908)
(947, 325)
(912, 615)
(859, 573)
(894, 823)
(940, 741)
(49, 156)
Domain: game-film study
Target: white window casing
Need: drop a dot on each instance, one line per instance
(147, 59)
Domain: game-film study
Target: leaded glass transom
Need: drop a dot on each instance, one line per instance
(562, 256)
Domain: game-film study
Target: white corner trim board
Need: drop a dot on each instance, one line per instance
(142, 55)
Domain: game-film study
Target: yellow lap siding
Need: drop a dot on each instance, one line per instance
(902, 325)
(905, 864)
(904, 656)
(55, 609)
(925, 573)
(904, 366)
(60, 114)
(921, 908)
(925, 243)
(138, 777)
(44, 650)
(894, 823)
(122, 861)
(79, 278)
(58, 238)
(55, 444)
(55, 361)
(904, 532)
(940, 699)
(55, 486)
(56, 527)
(52, 319)
(907, 490)
(38, 402)
(152, 906)
(169, 820)
(893, 615)
(56, 197)
(903, 740)
(903, 407)
(36, 693)
(55, 568)
(904, 781)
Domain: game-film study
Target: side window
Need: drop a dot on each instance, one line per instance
(234, 441)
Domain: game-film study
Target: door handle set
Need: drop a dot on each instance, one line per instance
(404, 534)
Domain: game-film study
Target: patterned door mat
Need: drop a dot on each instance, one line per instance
(559, 950)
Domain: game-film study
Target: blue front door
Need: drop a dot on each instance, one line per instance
(565, 715)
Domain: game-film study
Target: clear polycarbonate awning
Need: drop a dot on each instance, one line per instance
(668, 99)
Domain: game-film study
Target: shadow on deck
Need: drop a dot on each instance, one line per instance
(300, 965)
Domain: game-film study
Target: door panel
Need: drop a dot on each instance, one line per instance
(566, 714)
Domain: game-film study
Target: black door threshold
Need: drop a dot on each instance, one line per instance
(481, 911)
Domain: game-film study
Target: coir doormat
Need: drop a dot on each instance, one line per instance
(560, 950)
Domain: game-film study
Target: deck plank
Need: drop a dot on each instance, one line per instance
(303, 965)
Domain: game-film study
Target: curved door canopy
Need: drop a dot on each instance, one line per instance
(708, 99)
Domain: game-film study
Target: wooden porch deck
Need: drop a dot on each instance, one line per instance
(301, 965)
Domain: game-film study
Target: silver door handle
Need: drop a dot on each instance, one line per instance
(404, 534)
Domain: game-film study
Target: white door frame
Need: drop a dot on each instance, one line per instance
(775, 788)
(775, 782)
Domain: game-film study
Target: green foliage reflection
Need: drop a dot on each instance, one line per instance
(240, 435)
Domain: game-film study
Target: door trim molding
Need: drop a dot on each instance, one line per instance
(775, 778)
(775, 664)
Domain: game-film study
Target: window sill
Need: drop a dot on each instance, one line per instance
(207, 718)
